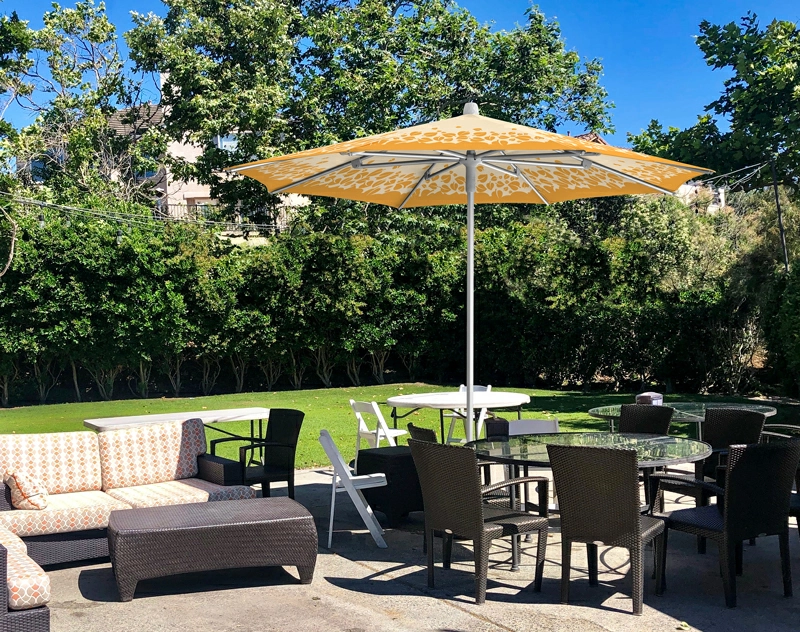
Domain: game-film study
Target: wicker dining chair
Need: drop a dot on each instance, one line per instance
(722, 427)
(754, 502)
(458, 510)
(422, 434)
(598, 497)
(276, 452)
(780, 432)
(645, 418)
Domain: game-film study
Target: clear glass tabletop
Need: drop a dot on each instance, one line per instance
(651, 450)
(685, 411)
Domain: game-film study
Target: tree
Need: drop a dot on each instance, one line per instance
(761, 100)
(283, 76)
(93, 132)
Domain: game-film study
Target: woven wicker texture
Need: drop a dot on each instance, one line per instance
(758, 487)
(60, 548)
(422, 434)
(162, 541)
(644, 418)
(452, 494)
(598, 496)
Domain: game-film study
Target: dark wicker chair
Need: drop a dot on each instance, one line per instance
(422, 434)
(755, 502)
(722, 427)
(458, 510)
(645, 418)
(276, 452)
(598, 496)
(780, 432)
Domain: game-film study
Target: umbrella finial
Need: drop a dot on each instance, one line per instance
(470, 108)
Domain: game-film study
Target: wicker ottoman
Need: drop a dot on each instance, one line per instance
(162, 541)
(402, 493)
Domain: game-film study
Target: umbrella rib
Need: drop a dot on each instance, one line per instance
(622, 174)
(527, 181)
(443, 170)
(314, 176)
(416, 186)
(425, 161)
(534, 163)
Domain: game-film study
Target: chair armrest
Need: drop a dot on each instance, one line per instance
(213, 443)
(257, 445)
(486, 489)
(687, 481)
(216, 469)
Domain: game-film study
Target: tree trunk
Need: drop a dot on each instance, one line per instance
(272, 370)
(75, 381)
(410, 360)
(104, 379)
(46, 378)
(354, 363)
(239, 363)
(379, 364)
(211, 371)
(5, 383)
(297, 369)
(174, 364)
(324, 366)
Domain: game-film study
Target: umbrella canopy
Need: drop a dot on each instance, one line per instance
(469, 158)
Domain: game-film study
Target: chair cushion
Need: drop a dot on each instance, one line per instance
(28, 584)
(26, 491)
(189, 490)
(132, 457)
(64, 462)
(12, 541)
(64, 513)
(706, 519)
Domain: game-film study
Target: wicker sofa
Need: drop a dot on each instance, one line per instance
(87, 476)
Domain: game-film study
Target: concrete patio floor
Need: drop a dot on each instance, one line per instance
(360, 588)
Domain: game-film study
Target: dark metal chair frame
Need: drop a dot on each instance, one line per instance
(458, 510)
(754, 502)
(276, 450)
(598, 496)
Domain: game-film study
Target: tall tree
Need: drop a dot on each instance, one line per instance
(283, 76)
(760, 100)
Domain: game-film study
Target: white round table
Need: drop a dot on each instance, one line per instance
(455, 401)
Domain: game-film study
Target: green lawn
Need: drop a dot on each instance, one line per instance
(328, 408)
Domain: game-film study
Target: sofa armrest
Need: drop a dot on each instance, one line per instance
(5, 499)
(216, 469)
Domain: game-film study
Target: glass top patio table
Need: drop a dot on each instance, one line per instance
(685, 411)
(651, 450)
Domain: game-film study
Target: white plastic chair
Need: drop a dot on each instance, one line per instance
(461, 415)
(345, 481)
(372, 437)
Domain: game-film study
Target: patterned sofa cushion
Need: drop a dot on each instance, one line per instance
(64, 513)
(11, 541)
(151, 454)
(190, 490)
(28, 584)
(63, 461)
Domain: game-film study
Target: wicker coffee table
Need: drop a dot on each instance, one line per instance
(163, 541)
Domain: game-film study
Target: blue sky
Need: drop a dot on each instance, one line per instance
(653, 68)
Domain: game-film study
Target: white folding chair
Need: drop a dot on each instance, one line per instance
(461, 415)
(372, 437)
(345, 481)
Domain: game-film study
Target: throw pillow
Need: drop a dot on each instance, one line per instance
(26, 491)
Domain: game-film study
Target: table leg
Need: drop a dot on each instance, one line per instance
(441, 423)
(394, 417)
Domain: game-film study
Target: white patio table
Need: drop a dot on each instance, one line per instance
(207, 416)
(456, 401)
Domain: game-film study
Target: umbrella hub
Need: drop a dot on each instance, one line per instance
(471, 108)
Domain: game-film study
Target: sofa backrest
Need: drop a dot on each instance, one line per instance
(63, 461)
(151, 454)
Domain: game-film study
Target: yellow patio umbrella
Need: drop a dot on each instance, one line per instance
(486, 160)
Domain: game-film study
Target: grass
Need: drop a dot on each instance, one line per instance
(329, 408)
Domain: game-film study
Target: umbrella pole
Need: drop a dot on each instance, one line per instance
(471, 164)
